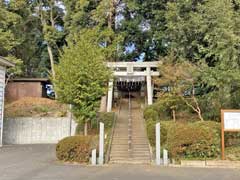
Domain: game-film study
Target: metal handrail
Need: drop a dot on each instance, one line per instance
(107, 158)
(145, 126)
(129, 124)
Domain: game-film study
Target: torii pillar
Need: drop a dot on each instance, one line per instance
(110, 96)
(149, 87)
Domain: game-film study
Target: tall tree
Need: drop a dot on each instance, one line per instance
(81, 77)
(207, 31)
(51, 15)
(30, 48)
(182, 83)
(9, 22)
(99, 16)
(143, 24)
(23, 39)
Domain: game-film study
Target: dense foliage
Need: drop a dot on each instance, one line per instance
(194, 140)
(78, 148)
(75, 149)
(23, 36)
(198, 42)
(107, 118)
(187, 140)
(196, 31)
(206, 34)
(81, 78)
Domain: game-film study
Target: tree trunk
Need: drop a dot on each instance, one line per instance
(200, 114)
(50, 53)
(174, 115)
(85, 128)
(112, 13)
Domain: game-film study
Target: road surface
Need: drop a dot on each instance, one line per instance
(38, 162)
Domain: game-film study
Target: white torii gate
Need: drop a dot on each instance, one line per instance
(132, 69)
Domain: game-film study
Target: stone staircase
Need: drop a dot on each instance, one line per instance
(130, 143)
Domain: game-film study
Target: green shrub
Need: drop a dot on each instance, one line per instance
(75, 149)
(150, 114)
(79, 129)
(187, 140)
(233, 153)
(107, 118)
(194, 140)
(167, 103)
(232, 139)
(163, 110)
(150, 125)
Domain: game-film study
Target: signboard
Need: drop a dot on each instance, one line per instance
(230, 121)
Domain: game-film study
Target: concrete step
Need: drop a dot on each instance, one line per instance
(137, 146)
(133, 150)
(130, 157)
(140, 152)
(129, 161)
(136, 155)
(142, 149)
(120, 139)
(134, 141)
(120, 134)
(138, 140)
(126, 138)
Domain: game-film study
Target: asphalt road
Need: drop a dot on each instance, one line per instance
(38, 162)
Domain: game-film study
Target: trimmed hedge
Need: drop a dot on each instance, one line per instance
(75, 149)
(232, 139)
(233, 153)
(194, 140)
(150, 124)
(188, 140)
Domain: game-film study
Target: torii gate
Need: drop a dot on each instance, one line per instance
(132, 70)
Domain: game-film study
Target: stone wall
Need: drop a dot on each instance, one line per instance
(40, 130)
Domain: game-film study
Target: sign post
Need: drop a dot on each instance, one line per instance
(2, 92)
(158, 144)
(230, 122)
(165, 157)
(101, 144)
(94, 157)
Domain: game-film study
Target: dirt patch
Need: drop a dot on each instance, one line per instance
(35, 107)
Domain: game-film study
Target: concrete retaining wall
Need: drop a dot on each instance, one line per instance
(36, 130)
